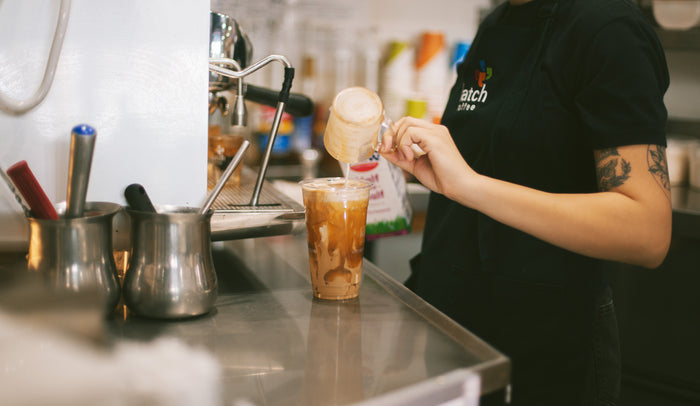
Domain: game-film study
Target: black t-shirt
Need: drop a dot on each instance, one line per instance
(541, 88)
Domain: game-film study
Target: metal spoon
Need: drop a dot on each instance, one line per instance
(82, 145)
(224, 177)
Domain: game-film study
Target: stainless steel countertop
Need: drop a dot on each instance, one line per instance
(279, 346)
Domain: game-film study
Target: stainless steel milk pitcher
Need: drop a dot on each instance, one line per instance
(75, 255)
(171, 273)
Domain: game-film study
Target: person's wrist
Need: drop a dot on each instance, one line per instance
(467, 189)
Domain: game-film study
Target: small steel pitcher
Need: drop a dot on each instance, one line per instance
(171, 273)
(75, 255)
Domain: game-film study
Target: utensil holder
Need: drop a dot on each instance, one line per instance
(75, 255)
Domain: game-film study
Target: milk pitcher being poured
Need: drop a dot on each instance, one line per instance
(355, 123)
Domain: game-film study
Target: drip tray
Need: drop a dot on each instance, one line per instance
(234, 217)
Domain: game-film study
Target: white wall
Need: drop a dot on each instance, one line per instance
(136, 71)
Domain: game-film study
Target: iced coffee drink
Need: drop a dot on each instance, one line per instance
(336, 214)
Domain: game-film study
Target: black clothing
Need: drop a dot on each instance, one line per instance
(543, 86)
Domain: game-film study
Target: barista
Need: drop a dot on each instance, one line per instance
(549, 160)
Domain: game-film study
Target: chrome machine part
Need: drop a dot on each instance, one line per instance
(227, 40)
(224, 177)
(283, 97)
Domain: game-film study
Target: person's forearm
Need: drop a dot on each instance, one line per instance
(607, 225)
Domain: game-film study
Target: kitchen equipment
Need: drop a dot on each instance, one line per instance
(227, 40)
(75, 254)
(25, 181)
(230, 46)
(283, 97)
(354, 123)
(222, 149)
(297, 105)
(247, 209)
(171, 274)
(82, 145)
(268, 213)
(224, 177)
(138, 199)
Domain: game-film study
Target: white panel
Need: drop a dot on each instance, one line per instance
(134, 70)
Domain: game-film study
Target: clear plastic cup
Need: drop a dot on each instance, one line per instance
(336, 216)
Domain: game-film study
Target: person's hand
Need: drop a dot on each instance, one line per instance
(428, 152)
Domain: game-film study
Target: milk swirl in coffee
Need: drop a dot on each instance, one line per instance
(336, 208)
(336, 213)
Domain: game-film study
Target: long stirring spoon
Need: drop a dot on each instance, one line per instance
(224, 177)
(82, 145)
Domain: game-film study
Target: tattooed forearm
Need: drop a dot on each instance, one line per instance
(611, 168)
(605, 153)
(658, 167)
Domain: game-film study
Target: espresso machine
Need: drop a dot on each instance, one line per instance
(253, 208)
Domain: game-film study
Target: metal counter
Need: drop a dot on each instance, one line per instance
(279, 346)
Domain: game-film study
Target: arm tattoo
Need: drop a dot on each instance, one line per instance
(604, 153)
(658, 167)
(612, 169)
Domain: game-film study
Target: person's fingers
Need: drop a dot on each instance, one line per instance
(387, 144)
(406, 134)
(396, 158)
(407, 152)
(417, 150)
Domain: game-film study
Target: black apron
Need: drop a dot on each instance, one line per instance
(531, 300)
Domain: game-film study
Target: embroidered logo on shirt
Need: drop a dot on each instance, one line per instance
(483, 74)
(471, 97)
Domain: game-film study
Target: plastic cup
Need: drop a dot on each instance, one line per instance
(336, 215)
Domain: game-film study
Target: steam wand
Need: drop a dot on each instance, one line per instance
(281, 100)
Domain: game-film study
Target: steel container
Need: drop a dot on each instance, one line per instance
(75, 255)
(171, 273)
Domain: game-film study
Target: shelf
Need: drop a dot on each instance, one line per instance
(684, 126)
(687, 40)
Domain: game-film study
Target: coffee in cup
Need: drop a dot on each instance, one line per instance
(336, 214)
